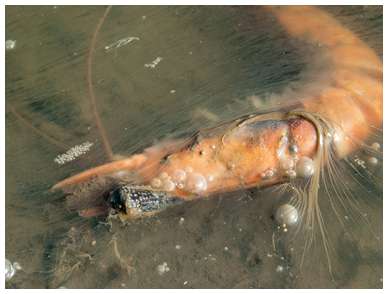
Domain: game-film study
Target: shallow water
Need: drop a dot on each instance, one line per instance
(218, 63)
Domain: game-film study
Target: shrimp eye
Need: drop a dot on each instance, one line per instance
(117, 200)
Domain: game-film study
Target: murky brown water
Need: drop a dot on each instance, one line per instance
(214, 58)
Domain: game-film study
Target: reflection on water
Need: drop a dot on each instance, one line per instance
(217, 63)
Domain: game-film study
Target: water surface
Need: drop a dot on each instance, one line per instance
(218, 63)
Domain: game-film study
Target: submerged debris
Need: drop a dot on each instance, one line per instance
(119, 43)
(154, 63)
(73, 153)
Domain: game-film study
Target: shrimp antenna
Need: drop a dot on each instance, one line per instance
(35, 129)
(55, 142)
(90, 86)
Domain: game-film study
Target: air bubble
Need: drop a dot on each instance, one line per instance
(178, 176)
(292, 175)
(376, 146)
(209, 178)
(156, 183)
(9, 45)
(168, 186)
(293, 149)
(269, 174)
(180, 186)
(164, 176)
(195, 183)
(305, 167)
(286, 215)
(279, 269)
(373, 160)
(9, 270)
(188, 170)
(286, 164)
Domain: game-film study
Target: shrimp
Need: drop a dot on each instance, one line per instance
(265, 149)
(332, 122)
(294, 147)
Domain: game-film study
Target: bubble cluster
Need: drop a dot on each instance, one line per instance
(269, 174)
(73, 153)
(286, 164)
(194, 183)
(163, 268)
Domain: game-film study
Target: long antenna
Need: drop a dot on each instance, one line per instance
(90, 86)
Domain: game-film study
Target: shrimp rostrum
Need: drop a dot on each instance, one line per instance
(340, 109)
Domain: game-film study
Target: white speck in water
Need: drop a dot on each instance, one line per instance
(172, 91)
(178, 247)
(226, 249)
(181, 220)
(93, 242)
